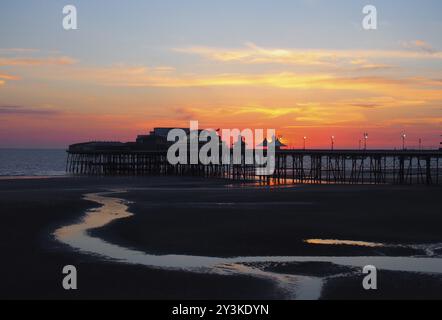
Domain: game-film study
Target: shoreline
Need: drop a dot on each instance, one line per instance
(37, 177)
(49, 203)
(296, 285)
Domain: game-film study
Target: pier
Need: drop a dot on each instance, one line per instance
(291, 166)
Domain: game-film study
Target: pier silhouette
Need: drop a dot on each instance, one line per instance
(148, 156)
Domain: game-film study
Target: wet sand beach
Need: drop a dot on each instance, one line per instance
(195, 217)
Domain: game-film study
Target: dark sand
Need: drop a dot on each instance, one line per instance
(245, 222)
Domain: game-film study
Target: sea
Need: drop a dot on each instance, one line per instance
(22, 163)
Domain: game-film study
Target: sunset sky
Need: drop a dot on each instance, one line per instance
(305, 68)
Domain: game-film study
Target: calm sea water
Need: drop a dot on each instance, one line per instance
(32, 162)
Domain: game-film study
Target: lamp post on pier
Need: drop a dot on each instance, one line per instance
(403, 140)
(365, 140)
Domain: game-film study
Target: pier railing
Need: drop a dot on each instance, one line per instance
(291, 166)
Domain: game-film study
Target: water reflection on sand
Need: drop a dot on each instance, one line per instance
(294, 286)
(344, 242)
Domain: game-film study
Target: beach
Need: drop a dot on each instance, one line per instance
(192, 217)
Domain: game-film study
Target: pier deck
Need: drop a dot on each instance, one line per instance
(291, 166)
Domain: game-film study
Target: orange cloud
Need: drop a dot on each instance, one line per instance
(27, 111)
(18, 50)
(36, 61)
(8, 77)
(274, 116)
(151, 77)
(253, 54)
(4, 76)
(421, 121)
(419, 44)
(378, 102)
(365, 65)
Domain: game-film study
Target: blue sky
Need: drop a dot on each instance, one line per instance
(136, 30)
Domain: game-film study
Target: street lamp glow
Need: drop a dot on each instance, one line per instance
(365, 140)
(403, 140)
